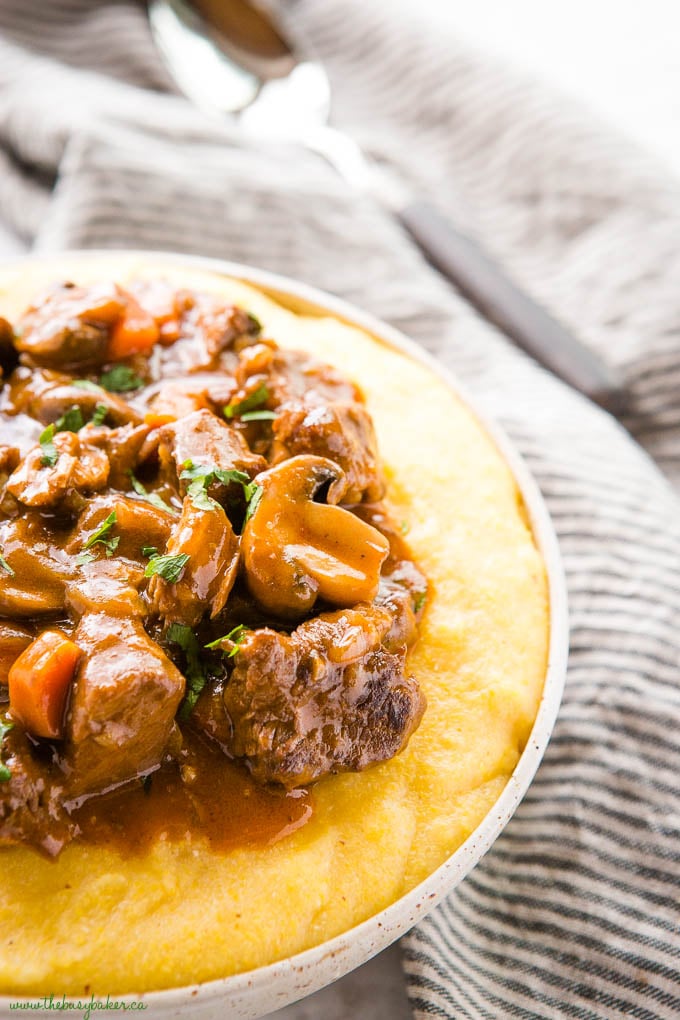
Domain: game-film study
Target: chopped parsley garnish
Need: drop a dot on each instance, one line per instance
(50, 454)
(235, 635)
(149, 550)
(120, 379)
(4, 565)
(258, 416)
(405, 527)
(84, 557)
(236, 408)
(256, 327)
(200, 476)
(419, 602)
(100, 413)
(150, 497)
(170, 568)
(86, 384)
(182, 635)
(100, 537)
(70, 421)
(253, 495)
(5, 773)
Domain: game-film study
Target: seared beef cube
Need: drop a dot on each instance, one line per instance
(43, 482)
(342, 432)
(32, 800)
(203, 440)
(125, 696)
(329, 698)
(292, 376)
(13, 640)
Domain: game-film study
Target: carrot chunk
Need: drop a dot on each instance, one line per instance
(135, 332)
(39, 682)
(156, 420)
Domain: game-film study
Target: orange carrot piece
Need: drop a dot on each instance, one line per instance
(135, 332)
(39, 683)
(156, 420)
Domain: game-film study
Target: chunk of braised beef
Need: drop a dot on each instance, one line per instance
(44, 480)
(126, 447)
(292, 376)
(70, 325)
(32, 801)
(202, 440)
(207, 539)
(13, 640)
(342, 432)
(206, 329)
(126, 692)
(9, 460)
(328, 698)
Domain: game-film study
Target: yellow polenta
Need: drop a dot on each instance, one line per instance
(183, 913)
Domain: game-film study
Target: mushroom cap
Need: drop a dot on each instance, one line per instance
(297, 549)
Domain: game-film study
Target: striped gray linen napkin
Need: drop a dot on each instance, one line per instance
(574, 912)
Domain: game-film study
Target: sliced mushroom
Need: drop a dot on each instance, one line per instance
(207, 539)
(70, 325)
(39, 569)
(296, 550)
(50, 404)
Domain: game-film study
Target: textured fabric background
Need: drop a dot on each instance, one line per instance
(574, 913)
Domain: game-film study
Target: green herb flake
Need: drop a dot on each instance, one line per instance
(70, 421)
(86, 384)
(419, 602)
(236, 408)
(50, 454)
(150, 497)
(258, 416)
(170, 568)
(199, 497)
(256, 326)
(83, 558)
(5, 772)
(182, 635)
(149, 550)
(4, 565)
(201, 476)
(405, 527)
(100, 413)
(235, 635)
(120, 379)
(101, 537)
(253, 496)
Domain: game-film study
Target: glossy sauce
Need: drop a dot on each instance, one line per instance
(219, 804)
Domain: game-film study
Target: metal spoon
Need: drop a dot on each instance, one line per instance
(229, 56)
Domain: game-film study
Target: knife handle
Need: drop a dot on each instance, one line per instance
(484, 283)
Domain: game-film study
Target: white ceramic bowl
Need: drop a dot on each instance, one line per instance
(257, 992)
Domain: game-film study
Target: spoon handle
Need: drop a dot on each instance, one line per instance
(485, 284)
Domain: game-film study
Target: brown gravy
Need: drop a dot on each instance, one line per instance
(220, 804)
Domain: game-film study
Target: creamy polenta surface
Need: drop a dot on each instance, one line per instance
(100, 920)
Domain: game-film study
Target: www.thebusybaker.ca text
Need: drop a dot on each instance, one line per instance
(84, 1006)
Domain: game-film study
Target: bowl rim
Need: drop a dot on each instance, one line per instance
(277, 984)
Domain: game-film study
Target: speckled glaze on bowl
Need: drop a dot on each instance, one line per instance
(254, 993)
